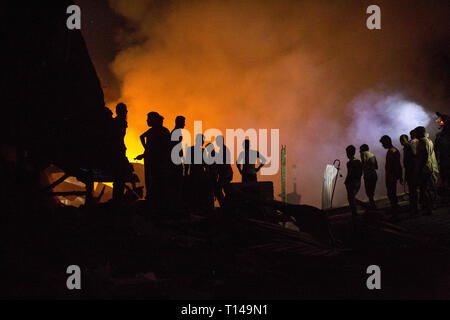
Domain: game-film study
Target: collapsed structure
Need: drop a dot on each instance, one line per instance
(54, 110)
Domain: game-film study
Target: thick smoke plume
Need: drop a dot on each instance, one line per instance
(309, 68)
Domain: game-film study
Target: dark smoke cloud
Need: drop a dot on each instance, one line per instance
(309, 68)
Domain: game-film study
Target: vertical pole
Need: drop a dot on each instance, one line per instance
(283, 174)
(335, 181)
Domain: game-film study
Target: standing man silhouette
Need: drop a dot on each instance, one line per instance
(156, 142)
(246, 163)
(370, 167)
(409, 164)
(426, 168)
(195, 171)
(393, 173)
(225, 171)
(176, 170)
(121, 162)
(353, 179)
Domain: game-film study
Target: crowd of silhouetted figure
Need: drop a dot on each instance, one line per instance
(175, 181)
(425, 165)
(178, 178)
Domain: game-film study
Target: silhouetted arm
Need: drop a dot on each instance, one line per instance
(143, 142)
(144, 139)
(239, 161)
(263, 161)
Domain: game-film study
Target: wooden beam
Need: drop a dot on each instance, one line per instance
(57, 182)
(69, 193)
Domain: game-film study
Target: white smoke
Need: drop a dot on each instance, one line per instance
(375, 115)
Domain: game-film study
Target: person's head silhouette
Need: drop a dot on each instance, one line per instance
(420, 132)
(154, 119)
(121, 110)
(386, 142)
(180, 122)
(364, 148)
(404, 140)
(350, 150)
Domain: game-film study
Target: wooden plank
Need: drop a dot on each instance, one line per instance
(57, 182)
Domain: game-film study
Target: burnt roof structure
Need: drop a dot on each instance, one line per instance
(53, 101)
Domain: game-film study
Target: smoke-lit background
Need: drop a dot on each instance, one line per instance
(309, 68)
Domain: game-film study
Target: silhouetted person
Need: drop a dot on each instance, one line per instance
(211, 173)
(370, 167)
(393, 173)
(225, 171)
(442, 147)
(121, 162)
(246, 163)
(432, 163)
(196, 165)
(353, 179)
(195, 170)
(409, 164)
(180, 123)
(426, 167)
(176, 170)
(413, 142)
(156, 142)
